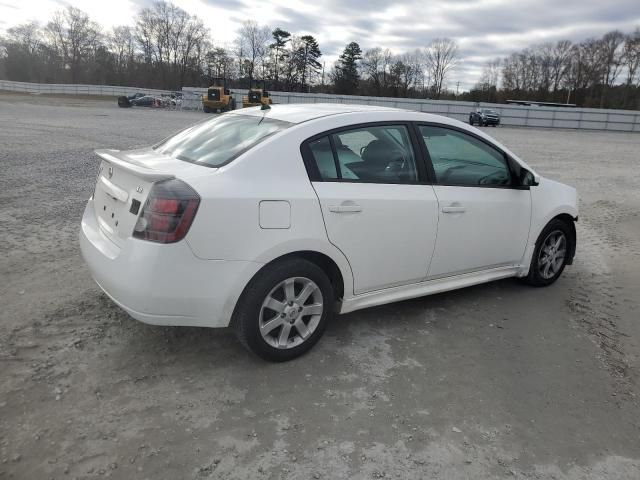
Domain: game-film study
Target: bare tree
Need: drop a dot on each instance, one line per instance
(372, 66)
(631, 56)
(73, 36)
(189, 44)
(218, 64)
(172, 40)
(441, 56)
(28, 36)
(631, 60)
(252, 40)
(560, 62)
(121, 42)
(488, 83)
(23, 52)
(611, 54)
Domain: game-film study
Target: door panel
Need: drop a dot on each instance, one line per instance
(387, 232)
(484, 216)
(480, 228)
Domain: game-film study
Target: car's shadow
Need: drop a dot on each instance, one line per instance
(220, 346)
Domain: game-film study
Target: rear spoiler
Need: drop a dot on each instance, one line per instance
(127, 162)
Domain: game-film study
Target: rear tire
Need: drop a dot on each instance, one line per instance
(284, 310)
(206, 109)
(553, 247)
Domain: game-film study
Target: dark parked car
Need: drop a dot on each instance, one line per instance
(484, 116)
(144, 101)
(124, 102)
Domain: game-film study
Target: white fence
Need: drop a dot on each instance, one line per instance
(76, 89)
(515, 115)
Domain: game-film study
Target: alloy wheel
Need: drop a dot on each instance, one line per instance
(552, 254)
(291, 312)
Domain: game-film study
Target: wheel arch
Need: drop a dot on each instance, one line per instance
(326, 263)
(570, 221)
(566, 213)
(322, 260)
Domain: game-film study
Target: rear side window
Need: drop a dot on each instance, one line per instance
(218, 141)
(323, 157)
(372, 154)
(460, 159)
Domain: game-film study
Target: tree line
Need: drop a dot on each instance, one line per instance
(597, 72)
(168, 48)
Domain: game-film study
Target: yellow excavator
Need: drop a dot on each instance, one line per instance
(256, 98)
(218, 99)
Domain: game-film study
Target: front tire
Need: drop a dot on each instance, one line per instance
(284, 310)
(123, 102)
(553, 248)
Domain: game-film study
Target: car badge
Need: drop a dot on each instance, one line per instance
(139, 189)
(110, 172)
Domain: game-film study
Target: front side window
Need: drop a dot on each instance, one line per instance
(218, 141)
(460, 159)
(374, 154)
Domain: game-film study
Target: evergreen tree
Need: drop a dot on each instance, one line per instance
(345, 75)
(280, 40)
(307, 57)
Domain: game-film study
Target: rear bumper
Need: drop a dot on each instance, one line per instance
(163, 284)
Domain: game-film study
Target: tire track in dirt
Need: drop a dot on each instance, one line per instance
(595, 299)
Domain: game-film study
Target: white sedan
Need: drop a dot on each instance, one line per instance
(270, 220)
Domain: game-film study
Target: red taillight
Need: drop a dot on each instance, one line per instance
(168, 212)
(165, 205)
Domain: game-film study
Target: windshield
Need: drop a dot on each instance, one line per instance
(488, 110)
(218, 141)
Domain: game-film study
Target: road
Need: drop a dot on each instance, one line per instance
(495, 381)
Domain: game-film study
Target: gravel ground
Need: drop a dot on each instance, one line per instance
(495, 381)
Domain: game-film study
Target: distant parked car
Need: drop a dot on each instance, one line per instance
(125, 101)
(149, 101)
(269, 221)
(141, 100)
(484, 116)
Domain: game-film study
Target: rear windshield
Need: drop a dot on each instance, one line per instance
(218, 141)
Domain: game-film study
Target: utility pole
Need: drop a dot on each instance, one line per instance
(457, 87)
(322, 81)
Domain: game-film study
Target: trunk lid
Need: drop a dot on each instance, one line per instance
(124, 181)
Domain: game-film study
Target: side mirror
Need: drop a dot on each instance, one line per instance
(528, 179)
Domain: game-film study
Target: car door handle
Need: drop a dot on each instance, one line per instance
(345, 208)
(454, 209)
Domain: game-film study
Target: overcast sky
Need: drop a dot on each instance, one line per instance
(485, 29)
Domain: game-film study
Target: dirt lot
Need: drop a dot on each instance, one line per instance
(495, 381)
